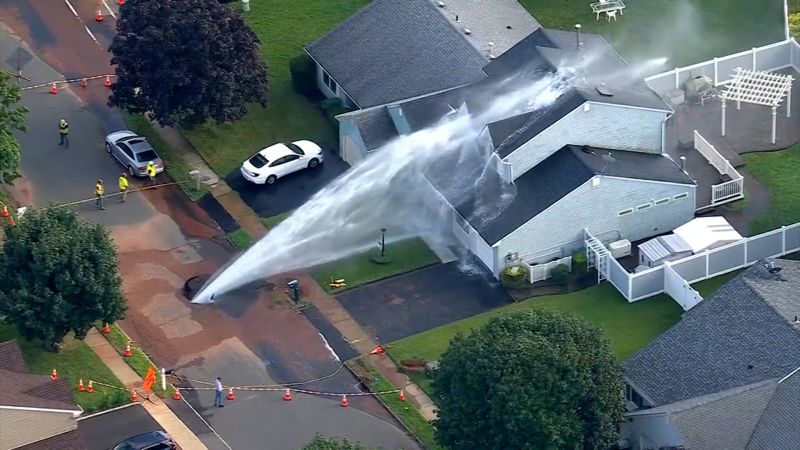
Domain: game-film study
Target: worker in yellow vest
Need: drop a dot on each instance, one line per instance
(99, 191)
(151, 172)
(123, 187)
(63, 132)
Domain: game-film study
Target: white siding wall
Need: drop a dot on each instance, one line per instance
(598, 209)
(649, 431)
(602, 125)
(473, 242)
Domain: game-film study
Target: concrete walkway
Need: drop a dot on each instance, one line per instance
(182, 435)
(326, 304)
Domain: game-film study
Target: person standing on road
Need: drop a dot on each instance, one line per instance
(151, 172)
(99, 191)
(218, 392)
(123, 187)
(63, 131)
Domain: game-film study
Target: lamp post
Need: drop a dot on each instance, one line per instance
(383, 242)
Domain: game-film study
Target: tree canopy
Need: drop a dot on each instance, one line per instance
(529, 380)
(12, 117)
(329, 443)
(186, 61)
(58, 274)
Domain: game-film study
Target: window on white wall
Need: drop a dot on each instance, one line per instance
(328, 81)
(625, 212)
(680, 196)
(662, 201)
(645, 206)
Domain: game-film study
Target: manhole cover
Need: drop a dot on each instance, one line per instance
(193, 285)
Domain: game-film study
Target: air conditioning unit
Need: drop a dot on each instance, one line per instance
(620, 249)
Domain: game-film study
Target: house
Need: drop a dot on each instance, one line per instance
(727, 375)
(35, 411)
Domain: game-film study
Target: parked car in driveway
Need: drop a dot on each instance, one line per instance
(133, 152)
(153, 440)
(279, 160)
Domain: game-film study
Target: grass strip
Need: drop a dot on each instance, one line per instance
(240, 239)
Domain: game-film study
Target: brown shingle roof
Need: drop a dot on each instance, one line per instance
(20, 388)
(11, 357)
(70, 440)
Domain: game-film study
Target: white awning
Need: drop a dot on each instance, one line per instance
(706, 233)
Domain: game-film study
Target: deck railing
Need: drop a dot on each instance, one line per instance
(727, 191)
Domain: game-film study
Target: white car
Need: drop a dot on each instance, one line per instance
(279, 160)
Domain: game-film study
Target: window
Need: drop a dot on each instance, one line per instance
(279, 161)
(328, 81)
(632, 396)
(645, 206)
(626, 212)
(295, 148)
(662, 201)
(147, 155)
(125, 149)
(680, 196)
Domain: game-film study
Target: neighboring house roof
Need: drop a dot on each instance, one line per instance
(501, 22)
(777, 428)
(22, 389)
(392, 50)
(70, 440)
(743, 334)
(375, 126)
(551, 180)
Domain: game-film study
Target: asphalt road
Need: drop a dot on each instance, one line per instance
(103, 431)
(289, 192)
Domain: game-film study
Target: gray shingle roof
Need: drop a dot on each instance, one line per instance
(392, 50)
(779, 427)
(734, 338)
(548, 182)
(375, 126)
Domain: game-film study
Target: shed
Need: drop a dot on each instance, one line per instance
(706, 233)
(669, 247)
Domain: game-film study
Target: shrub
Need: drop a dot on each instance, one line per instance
(579, 262)
(794, 24)
(513, 277)
(304, 75)
(560, 274)
(331, 103)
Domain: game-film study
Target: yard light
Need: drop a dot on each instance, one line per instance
(383, 242)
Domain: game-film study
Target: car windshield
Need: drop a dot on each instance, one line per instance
(258, 161)
(295, 149)
(147, 155)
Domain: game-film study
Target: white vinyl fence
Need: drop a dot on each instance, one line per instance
(679, 289)
(539, 272)
(769, 58)
(727, 191)
(709, 264)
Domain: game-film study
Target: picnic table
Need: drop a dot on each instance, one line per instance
(607, 7)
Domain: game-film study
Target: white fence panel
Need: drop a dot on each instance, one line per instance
(770, 58)
(792, 238)
(692, 268)
(619, 277)
(647, 284)
(765, 245)
(725, 259)
(679, 289)
(540, 272)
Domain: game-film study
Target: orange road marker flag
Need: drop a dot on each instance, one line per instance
(149, 379)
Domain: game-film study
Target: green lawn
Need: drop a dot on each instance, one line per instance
(240, 239)
(173, 162)
(685, 31)
(359, 269)
(778, 172)
(629, 326)
(138, 361)
(273, 221)
(76, 361)
(285, 27)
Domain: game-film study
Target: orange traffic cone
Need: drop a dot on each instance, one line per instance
(401, 396)
(134, 397)
(231, 395)
(127, 353)
(80, 385)
(378, 351)
(4, 213)
(11, 221)
(345, 403)
(99, 16)
(106, 329)
(120, 2)
(176, 395)
(54, 375)
(53, 89)
(287, 396)
(107, 82)
(90, 387)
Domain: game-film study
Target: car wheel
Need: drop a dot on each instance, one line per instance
(131, 172)
(313, 163)
(271, 179)
(108, 148)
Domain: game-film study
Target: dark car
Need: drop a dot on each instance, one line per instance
(154, 440)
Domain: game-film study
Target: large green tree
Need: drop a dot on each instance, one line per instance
(186, 61)
(12, 117)
(531, 380)
(58, 274)
(329, 443)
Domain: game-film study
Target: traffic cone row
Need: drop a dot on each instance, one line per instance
(127, 353)
(99, 16)
(80, 385)
(378, 351)
(7, 216)
(120, 2)
(90, 387)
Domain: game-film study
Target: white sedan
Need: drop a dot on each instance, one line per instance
(279, 160)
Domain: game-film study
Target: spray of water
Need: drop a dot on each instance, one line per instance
(390, 190)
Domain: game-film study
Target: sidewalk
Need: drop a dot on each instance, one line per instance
(182, 435)
(325, 303)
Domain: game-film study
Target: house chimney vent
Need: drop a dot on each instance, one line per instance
(440, 4)
(467, 31)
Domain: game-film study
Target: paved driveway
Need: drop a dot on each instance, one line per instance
(103, 431)
(291, 191)
(425, 299)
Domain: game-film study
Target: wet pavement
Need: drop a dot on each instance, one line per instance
(289, 192)
(103, 431)
(252, 337)
(424, 299)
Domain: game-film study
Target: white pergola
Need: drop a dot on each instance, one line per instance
(759, 88)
